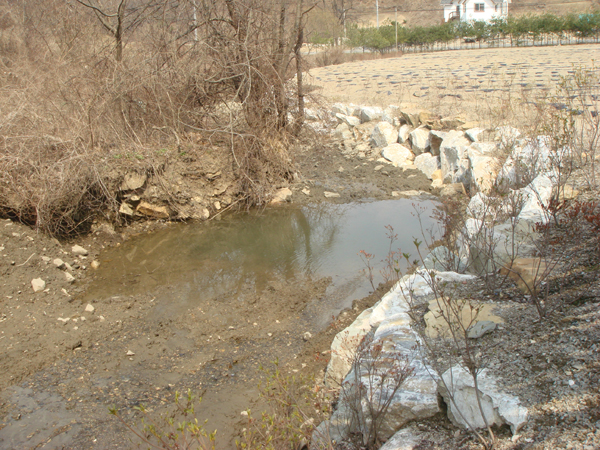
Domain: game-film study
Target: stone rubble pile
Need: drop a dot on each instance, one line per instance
(525, 170)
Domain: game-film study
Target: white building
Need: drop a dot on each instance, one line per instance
(470, 10)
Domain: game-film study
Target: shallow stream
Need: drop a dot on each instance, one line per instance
(242, 253)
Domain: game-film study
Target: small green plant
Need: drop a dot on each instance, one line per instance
(295, 404)
(175, 431)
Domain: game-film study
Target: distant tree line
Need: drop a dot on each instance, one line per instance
(523, 30)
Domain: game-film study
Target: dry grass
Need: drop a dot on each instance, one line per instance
(71, 114)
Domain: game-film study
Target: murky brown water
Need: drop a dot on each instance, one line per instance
(222, 259)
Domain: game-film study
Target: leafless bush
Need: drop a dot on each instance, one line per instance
(84, 82)
(378, 371)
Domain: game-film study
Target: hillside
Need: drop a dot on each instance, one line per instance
(428, 12)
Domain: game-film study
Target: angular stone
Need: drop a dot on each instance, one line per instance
(342, 132)
(473, 133)
(404, 133)
(480, 329)
(70, 278)
(79, 250)
(507, 136)
(498, 407)
(419, 139)
(38, 284)
(331, 194)
(452, 150)
(343, 348)
(89, 308)
(126, 209)
(428, 164)
(154, 211)
(95, 264)
(441, 259)
(282, 195)
(133, 181)
(59, 263)
(369, 114)
(484, 170)
(406, 439)
(452, 122)
(453, 189)
(536, 196)
(348, 120)
(411, 117)
(397, 154)
(435, 141)
(383, 135)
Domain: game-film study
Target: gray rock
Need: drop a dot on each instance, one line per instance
(397, 154)
(473, 133)
(133, 181)
(508, 136)
(369, 114)
(498, 407)
(348, 120)
(411, 117)
(404, 133)
(405, 439)
(480, 329)
(38, 284)
(79, 251)
(435, 141)
(342, 132)
(484, 170)
(383, 135)
(450, 190)
(452, 149)
(419, 139)
(311, 114)
(452, 122)
(427, 163)
(442, 260)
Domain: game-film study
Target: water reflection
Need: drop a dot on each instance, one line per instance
(242, 254)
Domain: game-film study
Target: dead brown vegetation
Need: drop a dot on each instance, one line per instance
(85, 84)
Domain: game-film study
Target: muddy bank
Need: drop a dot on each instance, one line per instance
(65, 362)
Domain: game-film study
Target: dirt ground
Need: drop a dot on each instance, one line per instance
(63, 364)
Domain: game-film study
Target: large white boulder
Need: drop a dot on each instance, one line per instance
(419, 139)
(427, 163)
(452, 150)
(383, 135)
(499, 408)
(536, 197)
(343, 348)
(397, 154)
(484, 170)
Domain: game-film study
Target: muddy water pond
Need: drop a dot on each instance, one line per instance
(234, 294)
(242, 254)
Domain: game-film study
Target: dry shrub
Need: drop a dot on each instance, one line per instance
(70, 109)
